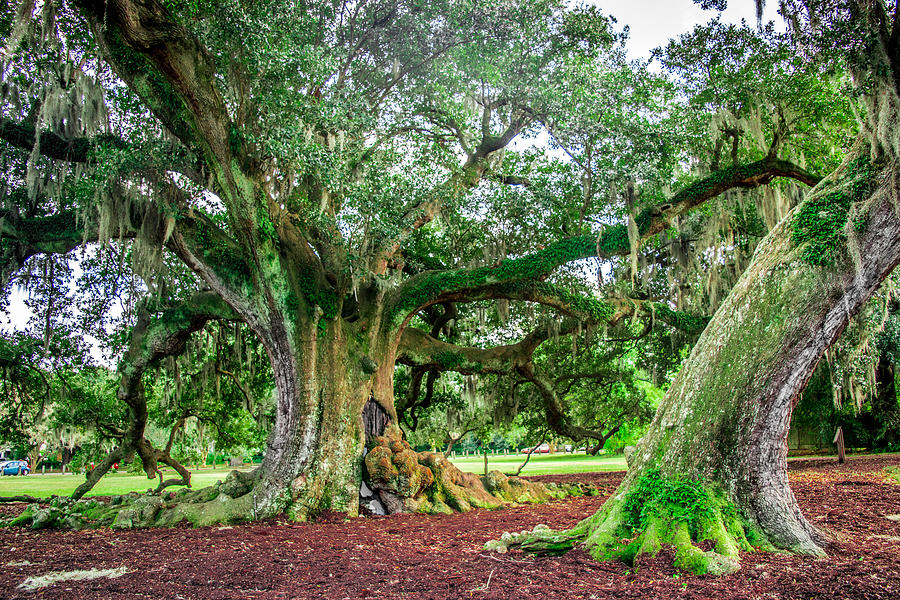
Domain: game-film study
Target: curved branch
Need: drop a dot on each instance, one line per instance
(195, 239)
(425, 352)
(462, 284)
(411, 402)
(581, 306)
(166, 458)
(118, 454)
(166, 66)
(554, 409)
(418, 349)
(150, 342)
(602, 441)
(240, 386)
(614, 240)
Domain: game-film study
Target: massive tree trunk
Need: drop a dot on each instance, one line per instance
(324, 378)
(713, 464)
(337, 428)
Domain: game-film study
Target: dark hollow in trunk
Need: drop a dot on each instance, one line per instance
(375, 420)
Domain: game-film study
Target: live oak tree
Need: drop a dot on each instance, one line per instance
(324, 172)
(713, 463)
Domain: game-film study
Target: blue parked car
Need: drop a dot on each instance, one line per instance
(14, 467)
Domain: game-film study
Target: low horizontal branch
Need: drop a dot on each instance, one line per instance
(78, 150)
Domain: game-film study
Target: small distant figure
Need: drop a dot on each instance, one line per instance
(116, 467)
(839, 441)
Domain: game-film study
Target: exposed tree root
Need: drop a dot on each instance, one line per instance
(404, 480)
(24, 498)
(407, 481)
(656, 512)
(230, 501)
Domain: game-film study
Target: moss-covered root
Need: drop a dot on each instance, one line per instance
(653, 513)
(226, 502)
(666, 530)
(409, 481)
(541, 540)
(608, 538)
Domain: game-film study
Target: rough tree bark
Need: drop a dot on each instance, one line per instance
(720, 435)
(713, 465)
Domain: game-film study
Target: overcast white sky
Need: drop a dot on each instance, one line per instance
(652, 23)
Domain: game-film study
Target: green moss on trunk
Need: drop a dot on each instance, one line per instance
(657, 512)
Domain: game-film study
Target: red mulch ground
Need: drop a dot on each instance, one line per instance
(421, 557)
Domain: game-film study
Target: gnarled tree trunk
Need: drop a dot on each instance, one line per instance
(713, 464)
(313, 457)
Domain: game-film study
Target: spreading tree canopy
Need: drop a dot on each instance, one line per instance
(344, 179)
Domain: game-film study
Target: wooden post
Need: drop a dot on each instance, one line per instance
(839, 440)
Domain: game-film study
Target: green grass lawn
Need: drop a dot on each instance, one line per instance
(542, 464)
(42, 486)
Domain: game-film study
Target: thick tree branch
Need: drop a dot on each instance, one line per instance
(175, 76)
(651, 221)
(557, 419)
(81, 150)
(55, 234)
(196, 239)
(602, 441)
(425, 352)
(151, 341)
(460, 284)
(164, 457)
(167, 66)
(418, 349)
(22, 237)
(78, 150)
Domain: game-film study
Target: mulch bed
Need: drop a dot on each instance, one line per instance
(440, 557)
